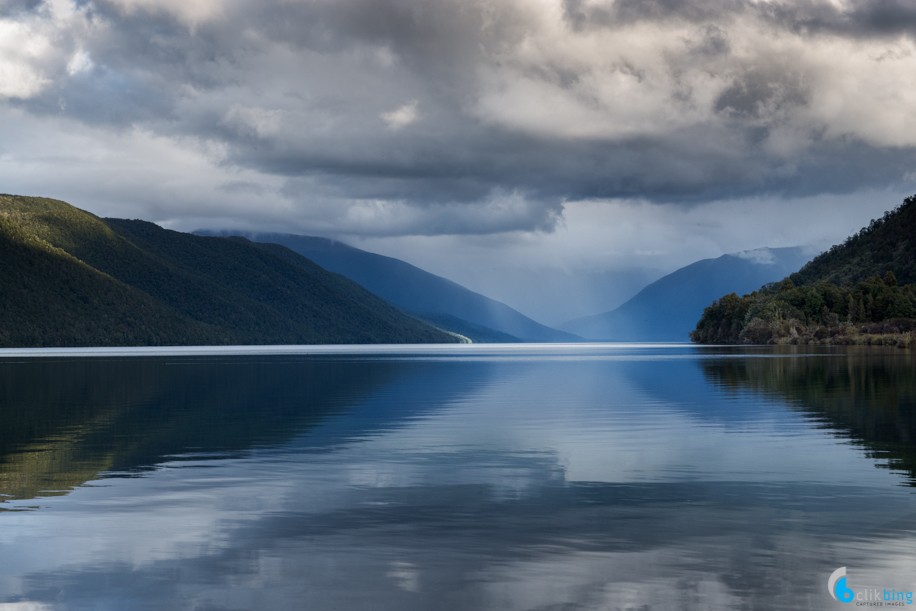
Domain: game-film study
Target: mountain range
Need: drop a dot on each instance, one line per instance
(70, 278)
(440, 301)
(668, 309)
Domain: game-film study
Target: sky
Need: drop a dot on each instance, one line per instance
(526, 148)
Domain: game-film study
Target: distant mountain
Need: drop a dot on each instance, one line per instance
(69, 278)
(860, 292)
(552, 293)
(667, 309)
(428, 296)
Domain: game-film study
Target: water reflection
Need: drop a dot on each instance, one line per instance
(66, 421)
(865, 395)
(659, 479)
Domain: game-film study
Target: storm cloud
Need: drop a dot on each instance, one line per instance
(394, 117)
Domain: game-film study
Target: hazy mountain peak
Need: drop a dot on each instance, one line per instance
(760, 256)
(668, 309)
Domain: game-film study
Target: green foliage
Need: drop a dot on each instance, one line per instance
(722, 320)
(836, 298)
(69, 278)
(887, 245)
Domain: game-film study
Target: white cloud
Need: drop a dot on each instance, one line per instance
(871, 94)
(22, 52)
(401, 116)
(261, 122)
(40, 46)
(760, 256)
(649, 78)
(190, 12)
(150, 176)
(79, 62)
(594, 85)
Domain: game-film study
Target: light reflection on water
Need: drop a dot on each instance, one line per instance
(485, 477)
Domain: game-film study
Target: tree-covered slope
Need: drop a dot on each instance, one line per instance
(861, 291)
(48, 297)
(888, 244)
(70, 278)
(434, 298)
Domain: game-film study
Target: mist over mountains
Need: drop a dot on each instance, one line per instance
(71, 278)
(664, 310)
(668, 309)
(425, 295)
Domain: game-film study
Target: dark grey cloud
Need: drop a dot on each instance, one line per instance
(582, 14)
(878, 18)
(449, 109)
(17, 7)
(106, 97)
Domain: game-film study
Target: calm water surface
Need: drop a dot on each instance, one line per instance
(468, 477)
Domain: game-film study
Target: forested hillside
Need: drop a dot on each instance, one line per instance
(70, 278)
(861, 291)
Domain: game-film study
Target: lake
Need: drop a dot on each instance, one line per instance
(593, 476)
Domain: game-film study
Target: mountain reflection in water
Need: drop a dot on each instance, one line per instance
(596, 477)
